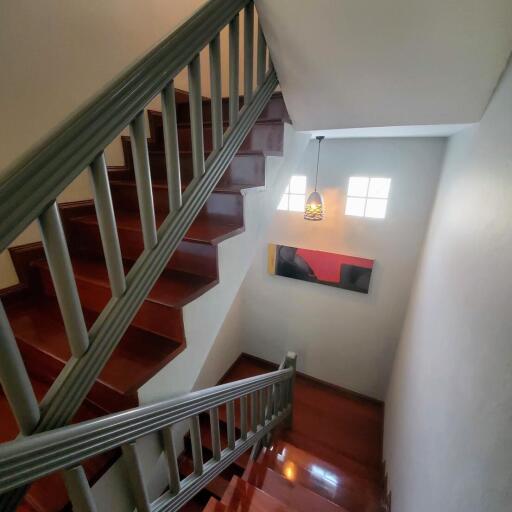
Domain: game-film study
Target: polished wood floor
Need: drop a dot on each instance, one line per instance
(330, 460)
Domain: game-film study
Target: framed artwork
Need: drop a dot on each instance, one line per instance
(338, 270)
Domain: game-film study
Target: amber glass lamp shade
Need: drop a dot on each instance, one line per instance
(314, 207)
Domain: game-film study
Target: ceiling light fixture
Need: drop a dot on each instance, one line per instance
(314, 205)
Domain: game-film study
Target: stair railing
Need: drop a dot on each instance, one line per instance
(29, 190)
(64, 449)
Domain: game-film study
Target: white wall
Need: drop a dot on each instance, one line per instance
(448, 435)
(344, 337)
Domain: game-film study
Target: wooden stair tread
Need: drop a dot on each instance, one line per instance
(38, 322)
(205, 229)
(343, 488)
(288, 490)
(241, 496)
(173, 288)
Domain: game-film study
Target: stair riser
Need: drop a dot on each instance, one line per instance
(192, 257)
(157, 318)
(267, 138)
(228, 207)
(245, 169)
(275, 110)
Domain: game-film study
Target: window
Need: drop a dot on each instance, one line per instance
(367, 197)
(294, 196)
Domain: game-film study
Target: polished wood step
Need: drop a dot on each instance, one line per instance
(287, 490)
(304, 468)
(42, 339)
(225, 203)
(241, 496)
(161, 312)
(206, 229)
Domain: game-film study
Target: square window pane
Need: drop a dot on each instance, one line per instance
(379, 187)
(298, 185)
(358, 186)
(376, 208)
(283, 204)
(355, 206)
(297, 202)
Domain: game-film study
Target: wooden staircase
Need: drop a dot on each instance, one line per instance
(156, 335)
(339, 472)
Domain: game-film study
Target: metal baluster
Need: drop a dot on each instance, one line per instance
(216, 93)
(214, 425)
(172, 460)
(138, 486)
(107, 225)
(254, 411)
(196, 116)
(14, 379)
(269, 403)
(261, 66)
(243, 417)
(262, 408)
(234, 44)
(275, 400)
(171, 146)
(248, 52)
(61, 270)
(284, 386)
(195, 440)
(143, 181)
(230, 418)
(78, 489)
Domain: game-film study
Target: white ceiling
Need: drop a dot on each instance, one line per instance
(346, 64)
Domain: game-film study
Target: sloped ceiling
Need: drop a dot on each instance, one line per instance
(375, 63)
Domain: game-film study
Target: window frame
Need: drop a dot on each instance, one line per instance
(288, 194)
(367, 196)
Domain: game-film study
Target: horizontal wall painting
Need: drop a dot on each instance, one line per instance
(347, 272)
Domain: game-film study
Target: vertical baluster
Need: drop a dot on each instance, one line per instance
(214, 426)
(195, 440)
(261, 66)
(107, 225)
(268, 412)
(171, 146)
(243, 417)
(196, 116)
(284, 387)
(134, 470)
(61, 270)
(78, 489)
(230, 417)
(248, 51)
(262, 408)
(254, 411)
(143, 181)
(14, 379)
(172, 460)
(275, 400)
(216, 93)
(234, 43)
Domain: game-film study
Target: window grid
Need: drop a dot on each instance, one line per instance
(368, 203)
(294, 196)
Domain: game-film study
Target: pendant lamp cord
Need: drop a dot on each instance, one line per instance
(320, 139)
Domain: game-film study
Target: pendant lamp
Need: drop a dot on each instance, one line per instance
(314, 205)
